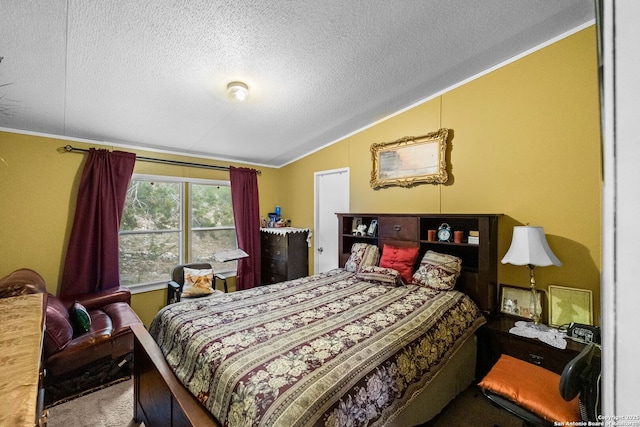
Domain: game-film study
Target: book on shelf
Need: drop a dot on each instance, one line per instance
(474, 233)
(473, 240)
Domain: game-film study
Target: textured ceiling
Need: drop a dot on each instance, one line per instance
(153, 73)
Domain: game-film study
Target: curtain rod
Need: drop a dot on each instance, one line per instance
(70, 149)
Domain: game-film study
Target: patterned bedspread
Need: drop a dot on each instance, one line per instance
(328, 349)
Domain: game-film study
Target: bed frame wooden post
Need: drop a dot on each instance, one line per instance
(159, 398)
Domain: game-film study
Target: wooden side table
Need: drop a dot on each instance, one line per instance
(224, 276)
(494, 339)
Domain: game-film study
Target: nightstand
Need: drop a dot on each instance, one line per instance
(494, 339)
(223, 276)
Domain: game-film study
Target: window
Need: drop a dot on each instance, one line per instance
(212, 228)
(162, 228)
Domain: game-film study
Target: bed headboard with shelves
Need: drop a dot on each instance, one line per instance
(479, 277)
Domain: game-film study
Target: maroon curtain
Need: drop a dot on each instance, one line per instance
(246, 214)
(92, 255)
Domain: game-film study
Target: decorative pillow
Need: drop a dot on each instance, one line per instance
(438, 271)
(383, 276)
(197, 282)
(521, 382)
(362, 255)
(80, 317)
(400, 259)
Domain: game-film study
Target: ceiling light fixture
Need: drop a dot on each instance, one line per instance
(237, 91)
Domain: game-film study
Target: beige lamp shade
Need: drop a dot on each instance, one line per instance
(529, 247)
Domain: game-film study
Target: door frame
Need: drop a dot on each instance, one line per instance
(316, 207)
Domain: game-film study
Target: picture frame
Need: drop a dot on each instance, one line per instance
(373, 228)
(567, 305)
(515, 301)
(410, 160)
(357, 221)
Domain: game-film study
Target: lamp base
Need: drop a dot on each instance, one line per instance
(535, 317)
(535, 326)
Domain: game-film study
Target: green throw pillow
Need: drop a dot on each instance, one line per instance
(80, 317)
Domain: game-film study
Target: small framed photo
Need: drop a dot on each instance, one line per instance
(355, 223)
(516, 301)
(372, 227)
(568, 305)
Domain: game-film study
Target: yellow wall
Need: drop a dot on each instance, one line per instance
(38, 188)
(525, 144)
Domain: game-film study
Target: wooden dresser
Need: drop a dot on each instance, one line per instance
(21, 369)
(285, 254)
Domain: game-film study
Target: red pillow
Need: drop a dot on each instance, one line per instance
(400, 259)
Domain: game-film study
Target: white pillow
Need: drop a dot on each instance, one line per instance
(197, 282)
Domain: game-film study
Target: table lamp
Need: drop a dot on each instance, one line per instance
(529, 247)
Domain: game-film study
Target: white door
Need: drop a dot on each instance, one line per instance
(621, 201)
(331, 196)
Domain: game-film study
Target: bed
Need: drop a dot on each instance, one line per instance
(353, 346)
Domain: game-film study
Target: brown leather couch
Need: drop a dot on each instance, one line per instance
(67, 352)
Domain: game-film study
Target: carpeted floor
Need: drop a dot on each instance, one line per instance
(108, 407)
(471, 408)
(113, 407)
